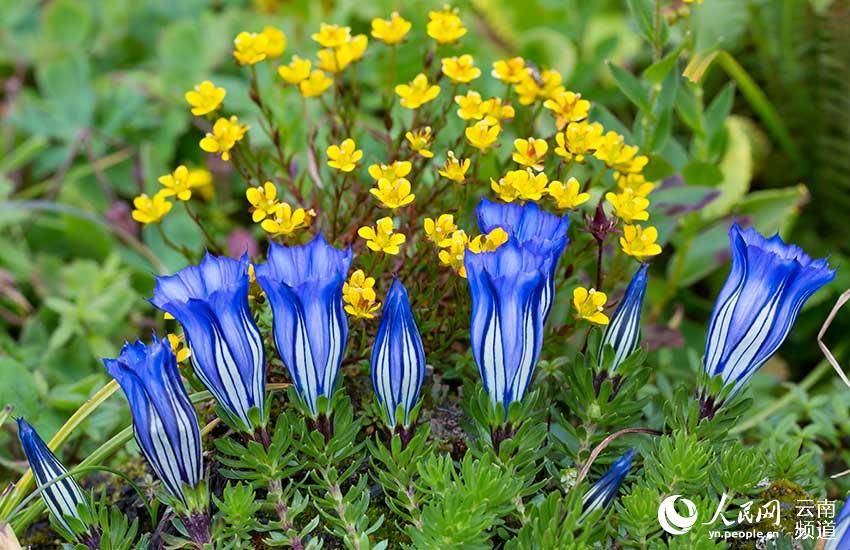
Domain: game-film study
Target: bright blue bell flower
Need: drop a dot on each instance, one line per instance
(164, 421)
(623, 332)
(507, 287)
(62, 497)
(210, 301)
(767, 286)
(538, 231)
(304, 287)
(602, 493)
(398, 358)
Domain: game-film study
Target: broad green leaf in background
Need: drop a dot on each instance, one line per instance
(736, 169)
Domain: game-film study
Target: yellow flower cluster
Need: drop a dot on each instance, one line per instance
(453, 242)
(179, 184)
(455, 169)
(250, 48)
(390, 31)
(205, 98)
(358, 295)
(276, 218)
(420, 140)
(417, 93)
(226, 133)
(445, 26)
(392, 188)
(589, 305)
(491, 111)
(179, 347)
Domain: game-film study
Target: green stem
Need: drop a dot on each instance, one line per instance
(197, 220)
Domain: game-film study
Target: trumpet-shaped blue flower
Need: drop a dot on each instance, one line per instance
(623, 332)
(603, 492)
(210, 301)
(304, 287)
(164, 422)
(841, 536)
(767, 286)
(543, 233)
(62, 497)
(398, 358)
(506, 332)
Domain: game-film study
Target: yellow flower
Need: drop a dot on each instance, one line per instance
(494, 112)
(628, 206)
(250, 47)
(419, 141)
(315, 85)
(283, 220)
(417, 93)
(460, 69)
(567, 195)
(438, 230)
(226, 133)
(393, 193)
(382, 237)
(579, 139)
(692, 1)
(530, 152)
(344, 156)
(392, 172)
(533, 88)
(333, 60)
(455, 168)
(614, 152)
(470, 105)
(520, 184)
(297, 71)
(205, 98)
(635, 182)
(201, 179)
(445, 26)
(332, 36)
(551, 83)
(358, 294)
(181, 351)
(640, 242)
(150, 210)
(453, 251)
(355, 48)
(263, 199)
(482, 135)
(177, 184)
(589, 305)
(510, 71)
(567, 107)
(390, 31)
(489, 242)
(275, 41)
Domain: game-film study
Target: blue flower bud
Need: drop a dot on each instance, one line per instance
(398, 358)
(602, 493)
(623, 332)
(62, 497)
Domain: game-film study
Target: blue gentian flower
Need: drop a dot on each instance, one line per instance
(304, 287)
(164, 421)
(841, 536)
(506, 332)
(398, 358)
(767, 286)
(543, 233)
(62, 497)
(602, 493)
(623, 332)
(210, 301)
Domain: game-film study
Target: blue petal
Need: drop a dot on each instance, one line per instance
(623, 332)
(603, 492)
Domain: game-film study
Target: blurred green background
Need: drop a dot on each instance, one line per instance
(93, 111)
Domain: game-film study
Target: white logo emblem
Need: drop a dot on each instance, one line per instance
(673, 522)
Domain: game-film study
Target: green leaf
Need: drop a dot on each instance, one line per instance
(630, 86)
(66, 25)
(736, 169)
(774, 210)
(642, 12)
(716, 113)
(702, 173)
(657, 72)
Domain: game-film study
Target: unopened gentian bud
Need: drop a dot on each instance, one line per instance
(623, 332)
(602, 493)
(398, 357)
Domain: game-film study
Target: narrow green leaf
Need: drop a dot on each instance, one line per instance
(630, 86)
